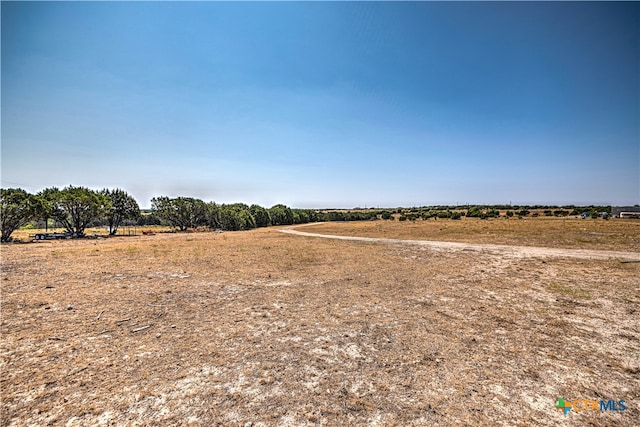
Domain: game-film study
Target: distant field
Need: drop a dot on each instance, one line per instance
(613, 234)
(267, 328)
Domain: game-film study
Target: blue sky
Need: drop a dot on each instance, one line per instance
(325, 104)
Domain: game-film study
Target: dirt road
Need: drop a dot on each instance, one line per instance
(505, 250)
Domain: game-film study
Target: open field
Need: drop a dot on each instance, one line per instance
(613, 234)
(269, 328)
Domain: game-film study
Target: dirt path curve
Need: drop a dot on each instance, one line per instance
(509, 250)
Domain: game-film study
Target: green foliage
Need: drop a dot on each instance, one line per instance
(429, 214)
(213, 216)
(301, 216)
(235, 217)
(75, 207)
(17, 208)
(148, 219)
(247, 222)
(281, 215)
(492, 213)
(336, 216)
(475, 212)
(260, 215)
(123, 207)
(181, 212)
(314, 216)
(482, 212)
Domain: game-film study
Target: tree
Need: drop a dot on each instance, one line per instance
(148, 219)
(314, 216)
(260, 215)
(281, 215)
(17, 208)
(123, 207)
(75, 207)
(213, 216)
(300, 216)
(181, 212)
(236, 217)
(336, 216)
(247, 221)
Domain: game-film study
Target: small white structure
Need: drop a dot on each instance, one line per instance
(625, 211)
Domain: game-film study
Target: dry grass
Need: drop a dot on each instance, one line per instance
(24, 235)
(614, 234)
(272, 329)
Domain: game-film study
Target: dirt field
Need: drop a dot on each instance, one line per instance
(266, 328)
(598, 234)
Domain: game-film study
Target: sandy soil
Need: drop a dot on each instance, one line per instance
(266, 328)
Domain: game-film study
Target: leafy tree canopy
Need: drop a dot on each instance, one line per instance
(122, 207)
(17, 208)
(75, 207)
(281, 215)
(181, 212)
(261, 216)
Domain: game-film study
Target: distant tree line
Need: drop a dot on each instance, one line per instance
(485, 212)
(77, 208)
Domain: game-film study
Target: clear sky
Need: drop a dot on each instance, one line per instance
(325, 104)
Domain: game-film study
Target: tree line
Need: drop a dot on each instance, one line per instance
(77, 208)
(74, 208)
(187, 212)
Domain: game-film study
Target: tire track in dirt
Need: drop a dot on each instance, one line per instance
(486, 248)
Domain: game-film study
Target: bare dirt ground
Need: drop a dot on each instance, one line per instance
(266, 328)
